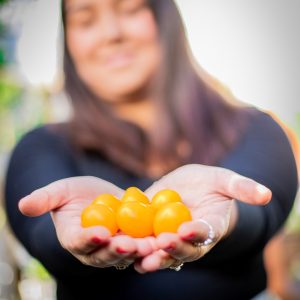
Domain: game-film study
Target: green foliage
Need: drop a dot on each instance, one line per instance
(2, 32)
(9, 94)
(2, 29)
(35, 269)
(293, 222)
(2, 58)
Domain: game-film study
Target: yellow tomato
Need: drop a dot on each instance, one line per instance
(170, 216)
(163, 197)
(108, 200)
(135, 219)
(133, 194)
(99, 215)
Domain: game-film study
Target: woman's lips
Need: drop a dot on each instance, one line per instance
(119, 60)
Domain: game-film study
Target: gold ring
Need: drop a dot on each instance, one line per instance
(121, 266)
(177, 265)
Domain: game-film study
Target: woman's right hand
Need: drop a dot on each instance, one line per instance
(65, 199)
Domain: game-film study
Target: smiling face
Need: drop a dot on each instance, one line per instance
(114, 45)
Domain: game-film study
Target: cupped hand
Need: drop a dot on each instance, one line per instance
(209, 193)
(65, 199)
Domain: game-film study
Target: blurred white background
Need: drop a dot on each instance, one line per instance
(253, 47)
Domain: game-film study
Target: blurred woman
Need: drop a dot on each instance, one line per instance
(146, 115)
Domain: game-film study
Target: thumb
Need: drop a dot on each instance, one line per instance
(241, 188)
(58, 193)
(37, 203)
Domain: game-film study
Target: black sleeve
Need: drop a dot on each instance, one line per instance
(40, 158)
(266, 156)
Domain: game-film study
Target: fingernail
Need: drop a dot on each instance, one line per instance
(265, 192)
(96, 240)
(121, 250)
(190, 236)
(262, 189)
(170, 248)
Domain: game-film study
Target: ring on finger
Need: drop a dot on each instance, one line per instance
(177, 265)
(210, 236)
(121, 266)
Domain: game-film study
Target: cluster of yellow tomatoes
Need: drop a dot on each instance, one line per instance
(135, 215)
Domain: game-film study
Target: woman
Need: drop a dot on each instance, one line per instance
(146, 116)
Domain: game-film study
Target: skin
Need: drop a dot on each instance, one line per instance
(208, 195)
(114, 46)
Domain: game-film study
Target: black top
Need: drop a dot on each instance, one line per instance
(233, 269)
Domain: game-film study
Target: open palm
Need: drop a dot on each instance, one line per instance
(207, 191)
(95, 246)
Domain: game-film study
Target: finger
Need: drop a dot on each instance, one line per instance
(197, 231)
(177, 248)
(123, 245)
(241, 188)
(120, 249)
(58, 193)
(153, 262)
(138, 265)
(221, 180)
(212, 223)
(145, 246)
(84, 241)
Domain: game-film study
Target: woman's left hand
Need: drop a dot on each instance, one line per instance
(208, 192)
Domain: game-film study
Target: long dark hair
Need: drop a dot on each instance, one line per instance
(192, 109)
